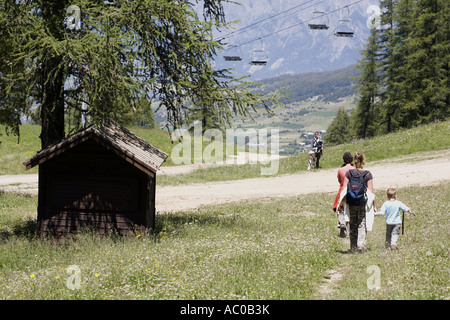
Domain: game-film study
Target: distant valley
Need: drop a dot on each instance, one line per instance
(315, 99)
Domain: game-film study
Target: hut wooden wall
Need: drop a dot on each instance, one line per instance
(89, 185)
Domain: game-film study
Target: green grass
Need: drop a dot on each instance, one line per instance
(14, 152)
(270, 249)
(426, 138)
(418, 270)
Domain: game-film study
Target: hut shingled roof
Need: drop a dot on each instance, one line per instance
(114, 137)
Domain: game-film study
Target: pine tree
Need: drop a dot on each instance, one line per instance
(365, 118)
(395, 95)
(427, 67)
(339, 130)
(208, 117)
(10, 81)
(389, 65)
(413, 70)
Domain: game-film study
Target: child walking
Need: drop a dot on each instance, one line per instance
(391, 208)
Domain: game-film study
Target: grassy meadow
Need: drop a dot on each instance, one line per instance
(271, 249)
(14, 151)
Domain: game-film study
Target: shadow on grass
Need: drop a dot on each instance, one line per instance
(26, 229)
(168, 223)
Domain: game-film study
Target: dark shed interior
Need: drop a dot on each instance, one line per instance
(103, 178)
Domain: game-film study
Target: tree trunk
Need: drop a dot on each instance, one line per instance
(52, 108)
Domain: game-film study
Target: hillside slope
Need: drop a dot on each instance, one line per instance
(328, 85)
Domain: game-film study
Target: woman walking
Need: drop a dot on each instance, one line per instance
(358, 212)
(342, 224)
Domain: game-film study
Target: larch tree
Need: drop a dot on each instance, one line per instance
(101, 57)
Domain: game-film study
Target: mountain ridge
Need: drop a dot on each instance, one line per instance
(291, 47)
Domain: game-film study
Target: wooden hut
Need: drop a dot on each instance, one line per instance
(101, 177)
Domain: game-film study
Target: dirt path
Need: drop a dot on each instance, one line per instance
(418, 169)
(421, 169)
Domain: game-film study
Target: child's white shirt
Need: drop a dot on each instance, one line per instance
(391, 209)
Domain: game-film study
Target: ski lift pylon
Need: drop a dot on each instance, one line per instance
(345, 27)
(259, 57)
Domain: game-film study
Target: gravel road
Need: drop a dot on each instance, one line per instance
(418, 169)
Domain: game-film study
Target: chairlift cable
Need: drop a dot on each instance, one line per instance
(269, 18)
(295, 25)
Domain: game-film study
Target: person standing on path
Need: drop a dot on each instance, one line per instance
(316, 151)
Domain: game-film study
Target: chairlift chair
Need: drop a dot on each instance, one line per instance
(259, 57)
(233, 53)
(316, 26)
(345, 28)
(344, 32)
(323, 21)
